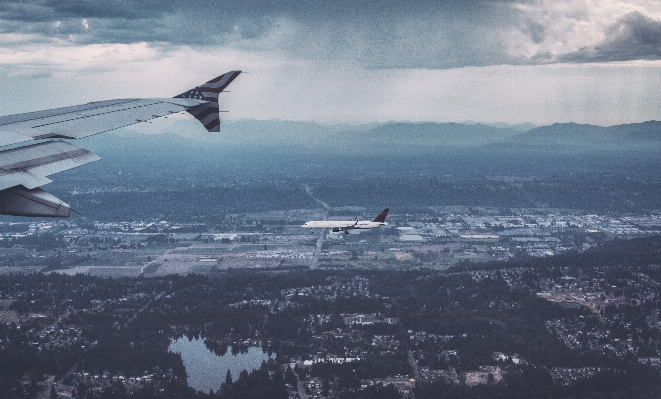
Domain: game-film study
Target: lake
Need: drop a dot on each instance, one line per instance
(207, 370)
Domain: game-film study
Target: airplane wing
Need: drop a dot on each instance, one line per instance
(24, 169)
(86, 120)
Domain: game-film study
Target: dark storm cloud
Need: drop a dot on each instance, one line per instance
(224, 13)
(125, 21)
(633, 37)
(54, 10)
(91, 21)
(374, 34)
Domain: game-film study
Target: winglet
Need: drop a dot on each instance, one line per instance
(381, 218)
(207, 113)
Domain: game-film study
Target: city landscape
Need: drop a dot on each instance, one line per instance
(460, 300)
(444, 236)
(502, 272)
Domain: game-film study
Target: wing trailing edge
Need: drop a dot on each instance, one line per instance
(21, 201)
(29, 166)
(24, 169)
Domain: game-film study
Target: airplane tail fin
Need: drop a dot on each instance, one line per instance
(382, 216)
(208, 113)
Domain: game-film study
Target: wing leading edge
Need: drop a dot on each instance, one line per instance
(23, 170)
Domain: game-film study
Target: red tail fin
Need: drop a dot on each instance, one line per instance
(382, 216)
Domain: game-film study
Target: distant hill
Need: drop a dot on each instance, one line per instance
(285, 137)
(634, 136)
(429, 134)
(383, 137)
(519, 127)
(310, 137)
(400, 137)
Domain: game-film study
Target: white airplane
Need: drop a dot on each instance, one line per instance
(24, 169)
(346, 225)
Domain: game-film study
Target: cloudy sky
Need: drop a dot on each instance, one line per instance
(344, 61)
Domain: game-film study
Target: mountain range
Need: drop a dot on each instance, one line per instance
(284, 137)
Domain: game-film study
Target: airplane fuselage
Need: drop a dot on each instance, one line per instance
(339, 225)
(346, 225)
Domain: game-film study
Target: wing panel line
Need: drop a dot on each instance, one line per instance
(97, 114)
(36, 162)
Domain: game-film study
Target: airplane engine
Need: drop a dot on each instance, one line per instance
(21, 201)
(336, 229)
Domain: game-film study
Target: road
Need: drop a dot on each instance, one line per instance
(322, 235)
(414, 365)
(308, 191)
(317, 250)
(301, 389)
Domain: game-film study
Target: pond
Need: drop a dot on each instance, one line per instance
(207, 370)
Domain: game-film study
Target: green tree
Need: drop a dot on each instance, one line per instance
(228, 378)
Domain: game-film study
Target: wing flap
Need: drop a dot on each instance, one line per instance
(29, 165)
(20, 201)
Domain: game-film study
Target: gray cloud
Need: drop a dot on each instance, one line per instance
(633, 37)
(535, 30)
(53, 10)
(376, 34)
(373, 34)
(86, 21)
